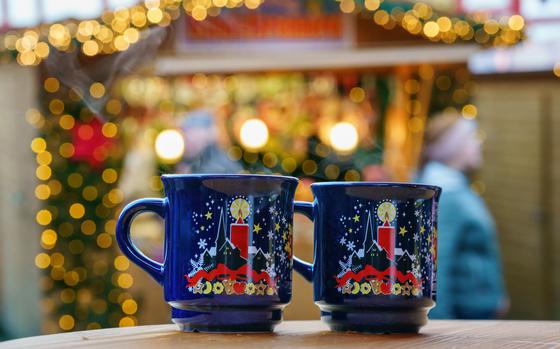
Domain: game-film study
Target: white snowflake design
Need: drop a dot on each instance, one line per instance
(202, 244)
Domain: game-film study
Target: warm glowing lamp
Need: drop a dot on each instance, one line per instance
(170, 145)
(254, 134)
(343, 137)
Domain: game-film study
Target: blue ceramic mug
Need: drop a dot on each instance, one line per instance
(228, 249)
(375, 255)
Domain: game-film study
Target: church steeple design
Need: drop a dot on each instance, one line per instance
(221, 238)
(234, 257)
(378, 266)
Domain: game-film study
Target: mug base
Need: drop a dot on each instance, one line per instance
(376, 320)
(227, 321)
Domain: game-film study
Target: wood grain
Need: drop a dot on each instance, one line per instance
(312, 334)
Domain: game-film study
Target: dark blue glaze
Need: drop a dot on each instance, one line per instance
(375, 250)
(228, 249)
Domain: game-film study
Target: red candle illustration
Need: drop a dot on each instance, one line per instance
(239, 231)
(386, 233)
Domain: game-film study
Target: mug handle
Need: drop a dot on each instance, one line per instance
(124, 240)
(305, 269)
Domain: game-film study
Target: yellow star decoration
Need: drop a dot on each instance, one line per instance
(285, 236)
(257, 228)
(433, 249)
(356, 218)
(422, 230)
(208, 215)
(288, 247)
(350, 230)
(277, 227)
(403, 231)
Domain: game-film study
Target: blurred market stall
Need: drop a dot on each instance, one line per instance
(322, 90)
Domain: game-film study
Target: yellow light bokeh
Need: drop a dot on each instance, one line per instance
(169, 145)
(343, 137)
(49, 237)
(154, 15)
(332, 171)
(44, 158)
(126, 321)
(88, 227)
(469, 111)
(104, 240)
(131, 35)
(121, 263)
(129, 307)
(347, 6)
(55, 186)
(42, 260)
(66, 122)
(90, 48)
(309, 167)
(77, 210)
(71, 278)
(357, 94)
(56, 106)
(42, 192)
(199, 13)
(352, 176)
(253, 134)
(125, 280)
(89, 193)
(43, 172)
(109, 129)
(516, 22)
(289, 164)
(67, 295)
(66, 322)
(109, 175)
(431, 29)
(66, 150)
(372, 5)
(43, 217)
(38, 145)
(57, 260)
(51, 84)
(444, 24)
(97, 90)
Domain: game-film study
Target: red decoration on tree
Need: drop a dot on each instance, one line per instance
(90, 145)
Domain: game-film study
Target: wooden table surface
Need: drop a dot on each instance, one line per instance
(311, 334)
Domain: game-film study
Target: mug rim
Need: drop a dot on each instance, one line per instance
(226, 176)
(377, 184)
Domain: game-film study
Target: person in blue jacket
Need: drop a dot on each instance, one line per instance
(469, 276)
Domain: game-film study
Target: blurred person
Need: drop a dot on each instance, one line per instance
(202, 152)
(469, 276)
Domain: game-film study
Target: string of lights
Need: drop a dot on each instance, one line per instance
(116, 30)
